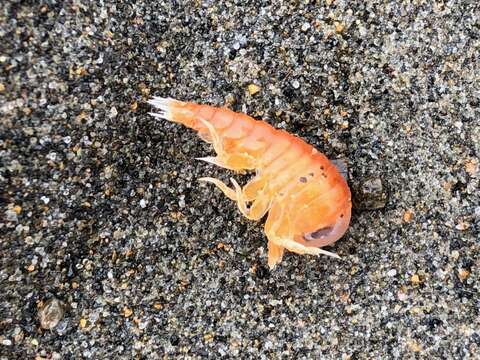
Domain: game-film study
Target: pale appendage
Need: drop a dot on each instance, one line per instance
(223, 159)
(260, 202)
(275, 254)
(259, 206)
(279, 236)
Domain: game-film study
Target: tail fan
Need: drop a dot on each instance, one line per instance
(174, 110)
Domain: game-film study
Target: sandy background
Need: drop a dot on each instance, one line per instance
(107, 237)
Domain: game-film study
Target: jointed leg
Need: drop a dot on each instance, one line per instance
(259, 207)
(224, 160)
(276, 248)
(216, 141)
(234, 162)
(230, 193)
(277, 231)
(275, 254)
(254, 187)
(298, 248)
(215, 160)
(242, 205)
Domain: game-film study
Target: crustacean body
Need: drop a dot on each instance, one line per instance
(307, 200)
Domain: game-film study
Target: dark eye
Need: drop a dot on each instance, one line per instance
(318, 234)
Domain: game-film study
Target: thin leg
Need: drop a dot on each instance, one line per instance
(254, 187)
(232, 161)
(260, 207)
(277, 231)
(275, 254)
(230, 193)
(215, 160)
(216, 141)
(298, 248)
(240, 198)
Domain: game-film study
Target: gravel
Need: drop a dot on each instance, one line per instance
(110, 248)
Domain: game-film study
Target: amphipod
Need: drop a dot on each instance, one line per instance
(307, 200)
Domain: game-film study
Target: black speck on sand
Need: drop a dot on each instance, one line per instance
(101, 209)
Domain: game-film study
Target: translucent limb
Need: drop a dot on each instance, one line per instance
(230, 193)
(275, 254)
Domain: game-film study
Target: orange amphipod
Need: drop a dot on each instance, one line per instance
(307, 200)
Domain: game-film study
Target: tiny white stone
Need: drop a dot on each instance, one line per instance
(477, 211)
(392, 272)
(45, 200)
(6, 342)
(143, 325)
(305, 26)
(143, 203)
(113, 112)
(295, 84)
(11, 215)
(181, 203)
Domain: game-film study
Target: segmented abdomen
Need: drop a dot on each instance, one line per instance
(283, 161)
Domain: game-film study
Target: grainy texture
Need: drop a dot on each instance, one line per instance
(101, 209)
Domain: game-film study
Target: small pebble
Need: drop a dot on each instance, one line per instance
(230, 100)
(305, 26)
(253, 89)
(51, 313)
(370, 194)
(392, 272)
(407, 216)
(415, 279)
(127, 312)
(463, 274)
(339, 27)
(6, 342)
(113, 112)
(11, 215)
